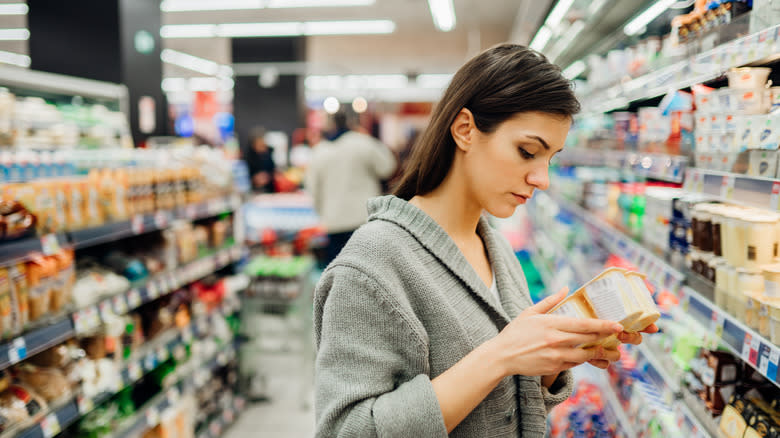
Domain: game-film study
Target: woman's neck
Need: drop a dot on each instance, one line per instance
(452, 207)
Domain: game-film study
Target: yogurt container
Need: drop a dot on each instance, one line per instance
(748, 77)
(612, 298)
(760, 239)
(649, 311)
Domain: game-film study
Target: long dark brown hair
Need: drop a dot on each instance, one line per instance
(495, 85)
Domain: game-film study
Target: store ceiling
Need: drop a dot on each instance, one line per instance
(415, 46)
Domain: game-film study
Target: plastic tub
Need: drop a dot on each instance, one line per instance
(748, 77)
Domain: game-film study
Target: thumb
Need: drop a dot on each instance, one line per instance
(548, 303)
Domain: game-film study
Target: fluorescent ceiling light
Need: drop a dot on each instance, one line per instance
(565, 41)
(443, 13)
(541, 38)
(316, 3)
(353, 27)
(437, 81)
(14, 34)
(637, 24)
(574, 70)
(289, 28)
(173, 85)
(189, 31)
(14, 59)
(292, 28)
(557, 14)
(14, 9)
(208, 5)
(195, 63)
(356, 82)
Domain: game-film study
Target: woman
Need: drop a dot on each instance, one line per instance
(423, 323)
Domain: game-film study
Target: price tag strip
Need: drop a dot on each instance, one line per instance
(50, 426)
(17, 351)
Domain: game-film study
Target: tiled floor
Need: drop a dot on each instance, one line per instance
(289, 411)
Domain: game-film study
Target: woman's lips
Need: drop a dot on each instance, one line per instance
(520, 198)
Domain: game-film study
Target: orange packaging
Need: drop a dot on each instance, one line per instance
(6, 305)
(41, 273)
(45, 207)
(65, 279)
(93, 213)
(20, 296)
(60, 204)
(75, 204)
(180, 186)
(146, 190)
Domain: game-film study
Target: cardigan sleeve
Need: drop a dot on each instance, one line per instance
(371, 367)
(560, 390)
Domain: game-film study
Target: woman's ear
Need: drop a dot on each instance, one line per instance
(463, 129)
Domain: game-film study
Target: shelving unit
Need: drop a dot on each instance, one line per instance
(704, 67)
(663, 167)
(734, 188)
(645, 260)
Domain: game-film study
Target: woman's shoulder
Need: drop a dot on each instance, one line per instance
(375, 242)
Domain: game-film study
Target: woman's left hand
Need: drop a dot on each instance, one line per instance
(625, 338)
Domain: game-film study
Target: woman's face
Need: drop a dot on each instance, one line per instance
(503, 168)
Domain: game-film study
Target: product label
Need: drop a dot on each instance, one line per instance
(751, 252)
(50, 426)
(607, 298)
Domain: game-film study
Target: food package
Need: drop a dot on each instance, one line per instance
(19, 403)
(41, 274)
(93, 213)
(20, 294)
(50, 383)
(44, 207)
(65, 279)
(76, 210)
(7, 328)
(15, 220)
(615, 295)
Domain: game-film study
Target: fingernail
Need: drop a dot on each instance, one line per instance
(617, 327)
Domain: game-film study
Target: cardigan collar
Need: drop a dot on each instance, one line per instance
(433, 237)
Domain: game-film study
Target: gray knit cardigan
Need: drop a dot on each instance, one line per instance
(401, 305)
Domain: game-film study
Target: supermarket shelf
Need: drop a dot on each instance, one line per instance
(662, 167)
(704, 67)
(658, 271)
(140, 224)
(734, 188)
(219, 425)
(34, 342)
(615, 406)
(169, 344)
(90, 318)
(149, 415)
(17, 251)
(61, 84)
(751, 347)
(663, 378)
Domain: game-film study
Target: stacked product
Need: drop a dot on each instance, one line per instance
(738, 127)
(736, 248)
(30, 123)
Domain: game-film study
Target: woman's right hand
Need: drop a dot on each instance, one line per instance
(537, 344)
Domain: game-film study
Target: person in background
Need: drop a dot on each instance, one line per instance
(343, 174)
(259, 159)
(423, 325)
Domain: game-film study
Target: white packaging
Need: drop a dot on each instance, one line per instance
(769, 133)
(762, 163)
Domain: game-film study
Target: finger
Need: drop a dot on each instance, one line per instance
(577, 339)
(599, 363)
(630, 338)
(610, 355)
(582, 355)
(585, 325)
(548, 303)
(652, 328)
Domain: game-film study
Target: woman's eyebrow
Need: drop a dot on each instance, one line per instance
(540, 140)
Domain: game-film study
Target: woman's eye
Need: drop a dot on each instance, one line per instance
(525, 154)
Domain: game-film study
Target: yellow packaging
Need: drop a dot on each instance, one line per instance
(6, 305)
(45, 207)
(649, 311)
(180, 186)
(60, 204)
(76, 206)
(93, 213)
(41, 272)
(731, 423)
(65, 280)
(21, 296)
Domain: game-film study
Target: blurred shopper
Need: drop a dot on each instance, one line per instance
(342, 175)
(259, 158)
(424, 325)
